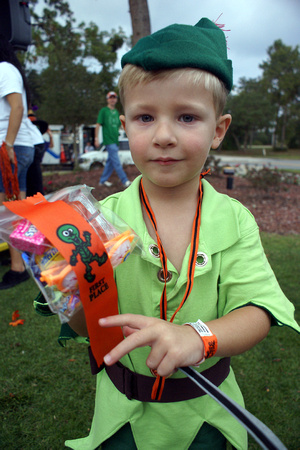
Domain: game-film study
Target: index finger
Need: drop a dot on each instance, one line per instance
(120, 320)
(141, 338)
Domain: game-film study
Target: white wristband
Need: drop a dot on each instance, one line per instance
(208, 338)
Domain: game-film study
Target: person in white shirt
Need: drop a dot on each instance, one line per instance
(15, 138)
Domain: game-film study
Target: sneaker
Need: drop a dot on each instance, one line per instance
(12, 278)
(106, 183)
(127, 183)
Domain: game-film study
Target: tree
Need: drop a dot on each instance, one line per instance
(251, 110)
(140, 19)
(76, 66)
(281, 76)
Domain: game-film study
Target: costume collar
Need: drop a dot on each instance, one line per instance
(219, 221)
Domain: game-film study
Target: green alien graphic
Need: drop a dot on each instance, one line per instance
(70, 234)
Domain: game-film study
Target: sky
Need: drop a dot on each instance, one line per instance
(254, 24)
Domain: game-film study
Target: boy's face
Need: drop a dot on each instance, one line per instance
(171, 126)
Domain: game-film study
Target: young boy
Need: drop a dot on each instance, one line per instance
(173, 89)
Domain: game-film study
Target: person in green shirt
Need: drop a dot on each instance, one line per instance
(108, 118)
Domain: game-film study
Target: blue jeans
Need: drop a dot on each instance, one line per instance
(113, 163)
(24, 159)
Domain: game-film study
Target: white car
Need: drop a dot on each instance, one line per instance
(97, 158)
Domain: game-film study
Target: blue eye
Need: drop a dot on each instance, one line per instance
(186, 118)
(146, 118)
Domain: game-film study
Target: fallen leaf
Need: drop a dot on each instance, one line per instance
(17, 322)
(15, 315)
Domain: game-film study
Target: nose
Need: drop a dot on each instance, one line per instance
(164, 135)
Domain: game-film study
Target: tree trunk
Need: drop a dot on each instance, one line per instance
(75, 149)
(237, 141)
(274, 138)
(246, 137)
(140, 19)
(251, 138)
(284, 121)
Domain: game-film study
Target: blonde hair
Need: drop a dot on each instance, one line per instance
(133, 75)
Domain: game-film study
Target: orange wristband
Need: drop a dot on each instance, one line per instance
(209, 339)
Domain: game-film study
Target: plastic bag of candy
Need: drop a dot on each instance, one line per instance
(54, 275)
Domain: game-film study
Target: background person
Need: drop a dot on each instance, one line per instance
(48, 138)
(34, 182)
(42, 139)
(108, 118)
(14, 131)
(88, 148)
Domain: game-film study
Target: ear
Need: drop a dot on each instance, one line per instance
(123, 122)
(222, 126)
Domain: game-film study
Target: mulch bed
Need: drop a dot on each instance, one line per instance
(275, 212)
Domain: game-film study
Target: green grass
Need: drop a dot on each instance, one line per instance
(47, 392)
(269, 373)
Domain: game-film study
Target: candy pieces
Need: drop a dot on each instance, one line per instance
(27, 238)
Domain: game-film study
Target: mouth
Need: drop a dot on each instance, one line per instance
(165, 161)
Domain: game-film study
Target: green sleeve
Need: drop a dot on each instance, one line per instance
(101, 116)
(246, 278)
(66, 333)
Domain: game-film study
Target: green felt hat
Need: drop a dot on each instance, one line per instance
(202, 46)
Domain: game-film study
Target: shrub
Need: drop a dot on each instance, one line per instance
(214, 164)
(266, 178)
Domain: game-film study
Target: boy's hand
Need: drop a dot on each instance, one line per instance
(172, 346)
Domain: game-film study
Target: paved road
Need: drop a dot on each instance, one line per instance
(289, 164)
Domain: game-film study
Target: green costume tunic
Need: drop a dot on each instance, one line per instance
(237, 273)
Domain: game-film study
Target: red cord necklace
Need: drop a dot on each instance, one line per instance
(160, 381)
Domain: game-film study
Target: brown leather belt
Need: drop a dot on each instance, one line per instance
(139, 387)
